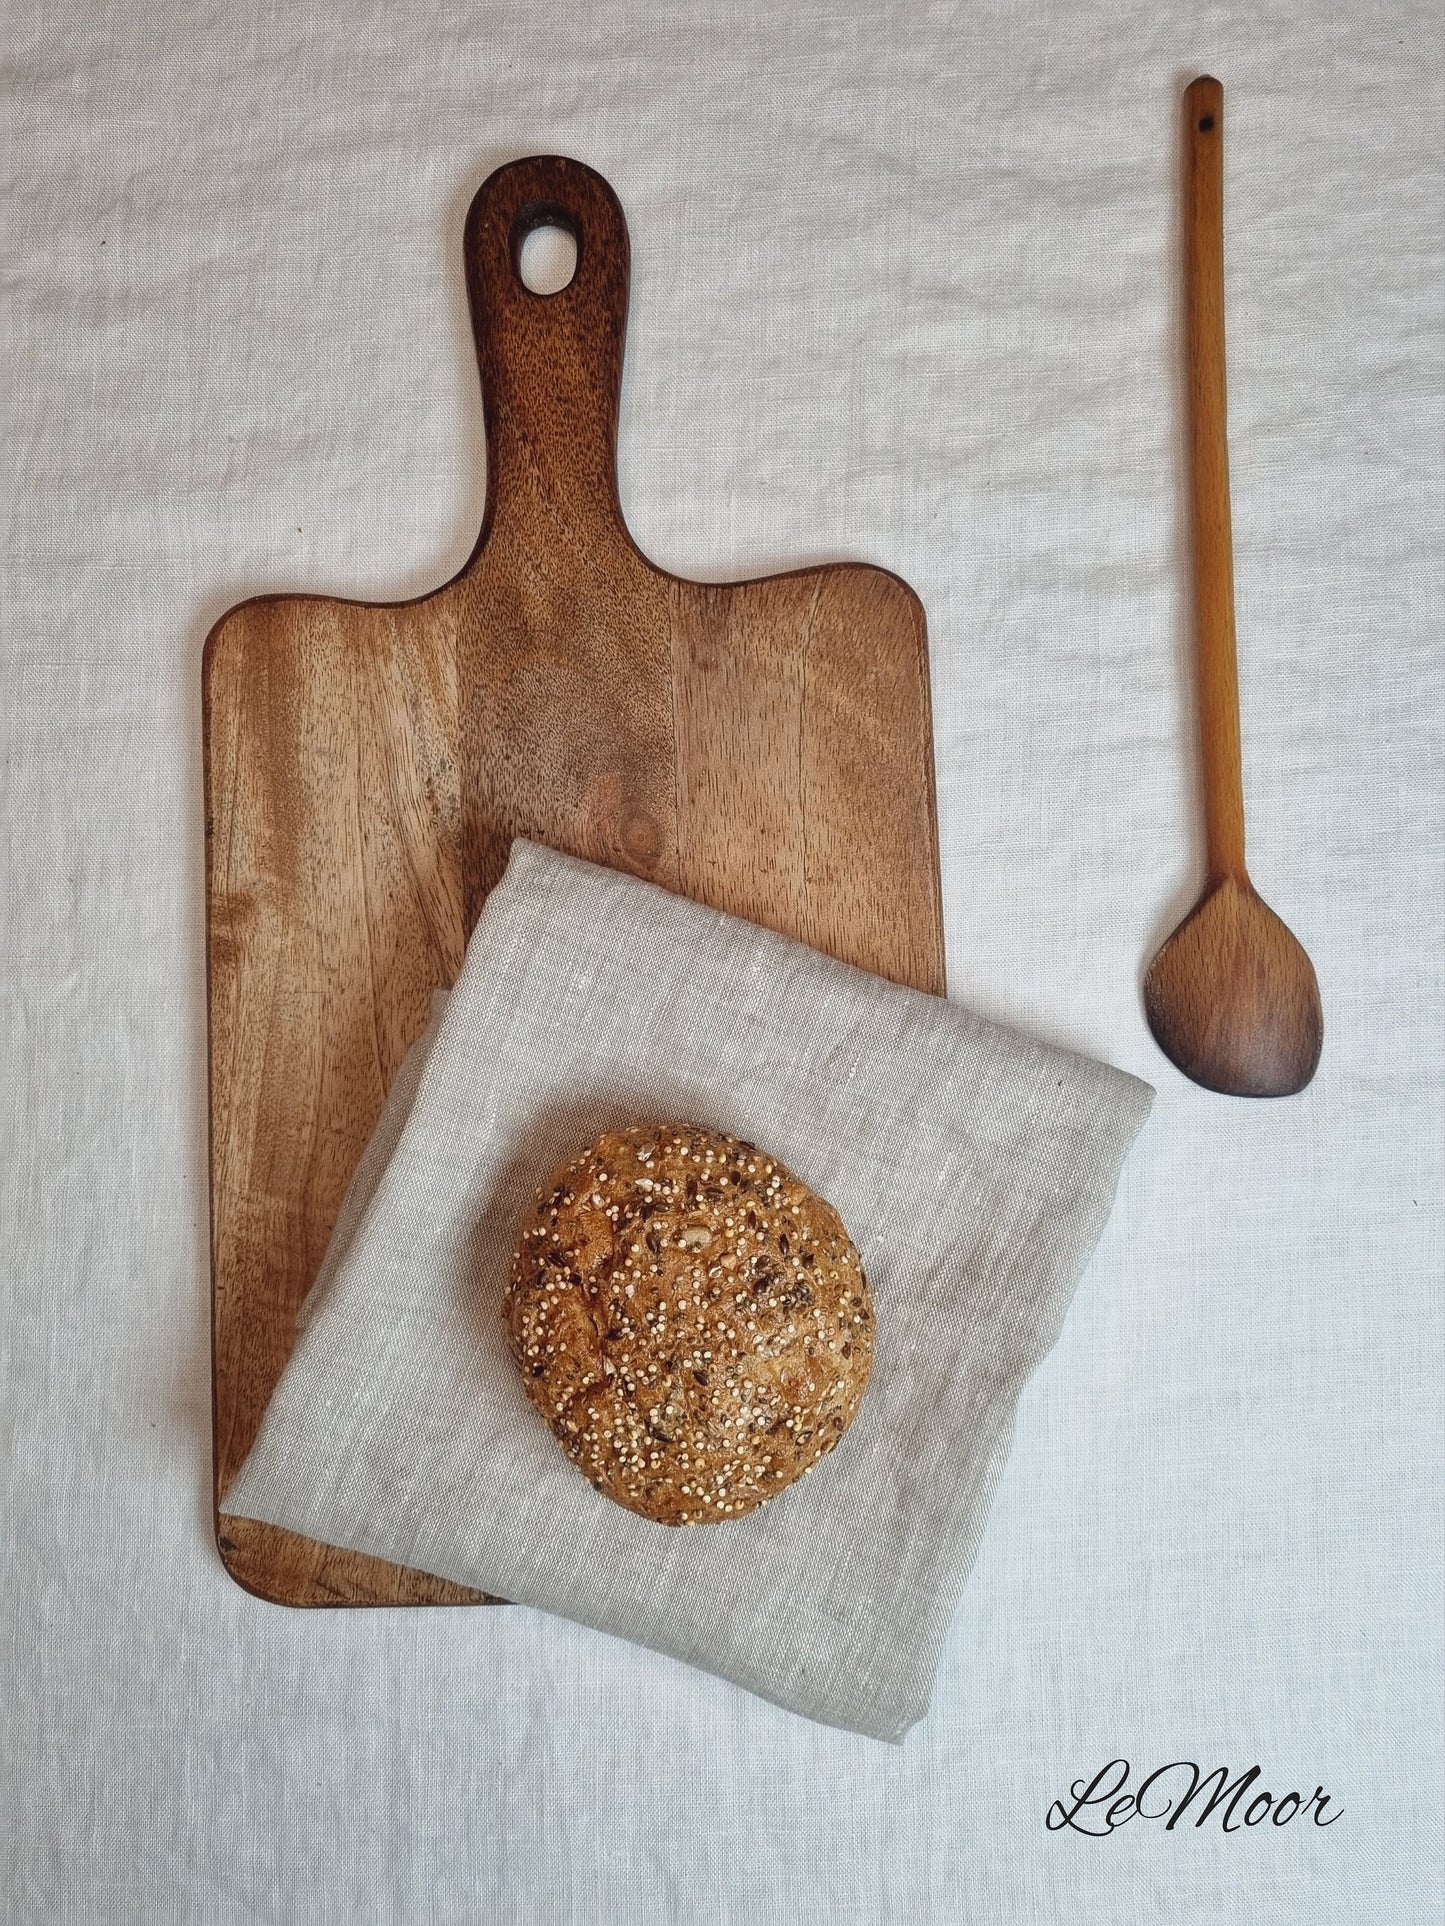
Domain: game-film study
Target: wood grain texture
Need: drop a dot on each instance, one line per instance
(764, 747)
(1231, 998)
(1211, 527)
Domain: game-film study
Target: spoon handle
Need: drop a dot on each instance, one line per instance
(1209, 477)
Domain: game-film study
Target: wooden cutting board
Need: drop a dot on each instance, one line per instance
(762, 746)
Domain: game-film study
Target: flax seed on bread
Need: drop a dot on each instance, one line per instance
(692, 1321)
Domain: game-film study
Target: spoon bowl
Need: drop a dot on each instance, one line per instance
(1232, 997)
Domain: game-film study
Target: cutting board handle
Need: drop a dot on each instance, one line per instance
(551, 365)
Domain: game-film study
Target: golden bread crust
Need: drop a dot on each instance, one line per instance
(692, 1321)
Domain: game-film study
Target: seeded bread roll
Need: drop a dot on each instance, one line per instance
(691, 1320)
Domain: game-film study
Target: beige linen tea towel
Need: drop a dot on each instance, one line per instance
(973, 1167)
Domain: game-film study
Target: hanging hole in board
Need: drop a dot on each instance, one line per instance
(545, 250)
(1206, 126)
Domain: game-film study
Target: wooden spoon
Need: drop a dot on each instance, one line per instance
(1232, 997)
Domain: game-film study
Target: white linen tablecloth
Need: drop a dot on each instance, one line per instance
(904, 290)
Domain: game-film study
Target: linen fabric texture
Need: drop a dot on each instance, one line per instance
(973, 1167)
